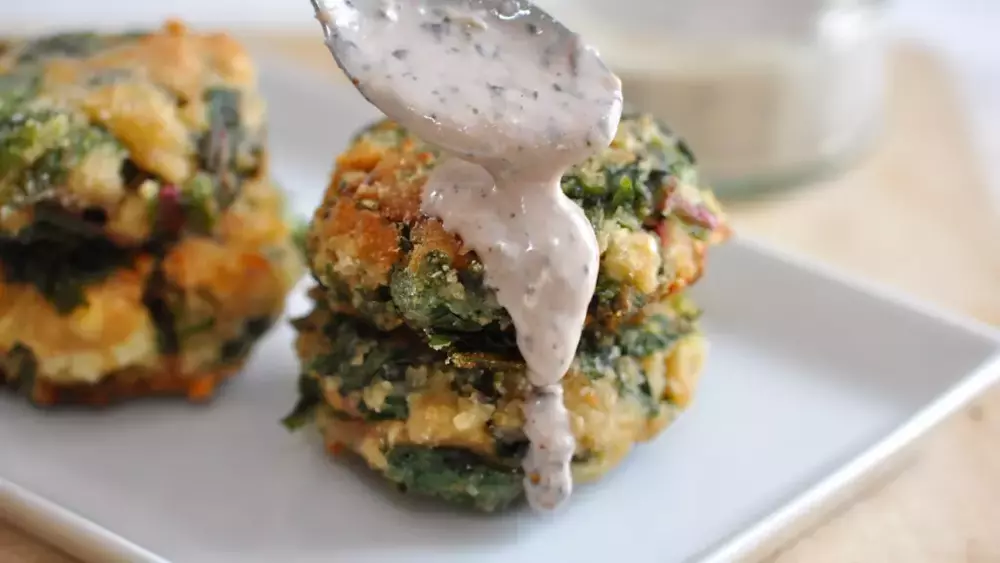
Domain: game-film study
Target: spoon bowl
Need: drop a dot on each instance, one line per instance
(492, 81)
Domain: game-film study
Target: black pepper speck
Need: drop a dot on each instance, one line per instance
(400, 53)
(435, 29)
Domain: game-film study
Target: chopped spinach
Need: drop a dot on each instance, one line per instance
(426, 296)
(155, 298)
(227, 150)
(510, 445)
(60, 254)
(360, 356)
(395, 407)
(20, 367)
(375, 305)
(631, 189)
(198, 205)
(239, 347)
(357, 355)
(486, 385)
(454, 475)
(607, 353)
(39, 146)
(310, 397)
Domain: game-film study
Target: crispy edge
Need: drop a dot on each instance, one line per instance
(197, 387)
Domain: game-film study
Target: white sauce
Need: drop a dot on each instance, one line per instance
(516, 100)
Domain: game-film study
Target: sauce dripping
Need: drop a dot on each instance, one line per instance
(514, 99)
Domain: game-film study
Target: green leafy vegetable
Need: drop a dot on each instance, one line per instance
(229, 152)
(239, 347)
(611, 353)
(310, 398)
(433, 295)
(39, 146)
(454, 475)
(154, 297)
(20, 367)
(60, 254)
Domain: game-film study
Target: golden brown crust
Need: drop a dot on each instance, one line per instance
(374, 189)
(131, 384)
(357, 243)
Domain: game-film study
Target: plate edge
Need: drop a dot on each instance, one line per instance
(67, 530)
(783, 525)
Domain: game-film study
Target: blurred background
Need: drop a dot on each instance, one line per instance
(771, 93)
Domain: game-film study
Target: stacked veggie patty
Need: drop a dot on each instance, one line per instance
(143, 247)
(410, 362)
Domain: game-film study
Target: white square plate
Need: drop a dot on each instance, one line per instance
(812, 379)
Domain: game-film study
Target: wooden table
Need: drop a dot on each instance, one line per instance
(886, 220)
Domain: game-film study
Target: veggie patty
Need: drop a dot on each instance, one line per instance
(378, 254)
(448, 423)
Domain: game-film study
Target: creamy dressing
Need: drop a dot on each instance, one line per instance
(515, 99)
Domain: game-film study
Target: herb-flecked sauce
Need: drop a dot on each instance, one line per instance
(514, 99)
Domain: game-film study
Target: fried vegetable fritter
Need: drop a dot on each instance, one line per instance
(374, 250)
(176, 322)
(137, 135)
(449, 423)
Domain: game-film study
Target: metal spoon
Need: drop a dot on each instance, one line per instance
(456, 71)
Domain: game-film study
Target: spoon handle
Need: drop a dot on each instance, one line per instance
(323, 17)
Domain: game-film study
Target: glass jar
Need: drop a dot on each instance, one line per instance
(767, 93)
